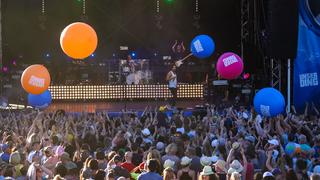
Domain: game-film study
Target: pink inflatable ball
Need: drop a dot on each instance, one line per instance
(229, 66)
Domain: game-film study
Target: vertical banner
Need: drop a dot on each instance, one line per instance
(307, 64)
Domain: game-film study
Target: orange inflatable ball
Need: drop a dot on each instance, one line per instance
(78, 40)
(35, 79)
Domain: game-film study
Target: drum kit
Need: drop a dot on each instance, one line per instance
(139, 73)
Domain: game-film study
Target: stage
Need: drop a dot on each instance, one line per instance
(96, 98)
(116, 106)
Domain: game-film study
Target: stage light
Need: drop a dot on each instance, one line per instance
(5, 69)
(92, 55)
(133, 54)
(133, 92)
(246, 76)
(168, 1)
(47, 55)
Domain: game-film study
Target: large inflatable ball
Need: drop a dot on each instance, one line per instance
(78, 40)
(269, 102)
(229, 66)
(35, 79)
(40, 101)
(202, 46)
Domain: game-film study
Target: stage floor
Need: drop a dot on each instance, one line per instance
(118, 106)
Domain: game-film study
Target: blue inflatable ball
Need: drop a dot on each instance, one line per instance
(269, 102)
(40, 101)
(290, 148)
(202, 46)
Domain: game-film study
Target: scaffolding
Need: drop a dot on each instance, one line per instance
(276, 73)
(245, 25)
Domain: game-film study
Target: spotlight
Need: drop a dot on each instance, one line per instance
(93, 55)
(47, 55)
(133, 54)
(169, 1)
(246, 76)
(5, 69)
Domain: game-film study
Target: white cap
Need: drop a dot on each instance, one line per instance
(168, 164)
(267, 174)
(145, 132)
(214, 159)
(205, 161)
(215, 143)
(245, 115)
(160, 146)
(181, 130)
(274, 142)
(185, 161)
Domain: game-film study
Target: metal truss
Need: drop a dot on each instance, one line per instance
(276, 73)
(245, 25)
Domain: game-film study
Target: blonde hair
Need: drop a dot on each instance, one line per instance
(58, 177)
(154, 154)
(172, 149)
(235, 176)
(86, 162)
(168, 174)
(111, 155)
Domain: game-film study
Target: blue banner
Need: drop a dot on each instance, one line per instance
(307, 64)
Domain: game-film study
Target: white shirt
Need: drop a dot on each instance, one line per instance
(173, 82)
(180, 130)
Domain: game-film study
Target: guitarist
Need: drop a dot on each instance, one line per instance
(178, 52)
(172, 82)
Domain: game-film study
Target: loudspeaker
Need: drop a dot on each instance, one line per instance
(282, 28)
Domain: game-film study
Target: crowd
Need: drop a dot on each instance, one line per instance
(224, 142)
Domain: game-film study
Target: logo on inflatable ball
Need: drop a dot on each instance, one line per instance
(35, 79)
(40, 101)
(269, 102)
(229, 66)
(202, 46)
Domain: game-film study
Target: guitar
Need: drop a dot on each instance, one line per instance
(180, 62)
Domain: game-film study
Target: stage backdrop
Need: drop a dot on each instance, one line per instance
(307, 63)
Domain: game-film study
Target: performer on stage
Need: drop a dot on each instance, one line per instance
(131, 64)
(127, 68)
(172, 81)
(178, 50)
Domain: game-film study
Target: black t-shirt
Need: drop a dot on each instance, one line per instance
(177, 56)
